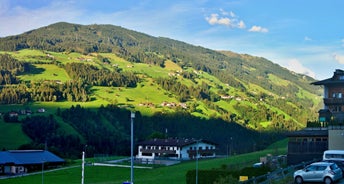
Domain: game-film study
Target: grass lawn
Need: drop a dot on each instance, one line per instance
(7, 131)
(46, 72)
(170, 174)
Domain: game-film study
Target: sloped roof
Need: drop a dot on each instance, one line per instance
(308, 133)
(336, 79)
(173, 142)
(26, 157)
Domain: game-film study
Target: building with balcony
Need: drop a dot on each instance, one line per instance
(333, 110)
(310, 143)
(332, 114)
(176, 149)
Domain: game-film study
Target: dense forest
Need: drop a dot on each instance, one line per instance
(100, 77)
(107, 131)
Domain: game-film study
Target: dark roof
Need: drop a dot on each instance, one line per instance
(26, 157)
(328, 82)
(337, 78)
(172, 142)
(309, 133)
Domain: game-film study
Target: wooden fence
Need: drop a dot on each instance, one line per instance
(277, 175)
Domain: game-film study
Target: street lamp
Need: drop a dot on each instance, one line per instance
(83, 168)
(132, 116)
(197, 162)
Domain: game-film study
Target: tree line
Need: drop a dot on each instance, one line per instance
(78, 90)
(100, 77)
(9, 68)
(106, 130)
(45, 91)
(185, 93)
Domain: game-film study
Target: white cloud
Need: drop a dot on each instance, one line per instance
(229, 19)
(296, 66)
(258, 29)
(242, 24)
(339, 58)
(308, 38)
(22, 19)
(225, 13)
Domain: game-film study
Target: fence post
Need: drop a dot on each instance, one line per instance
(269, 177)
(254, 179)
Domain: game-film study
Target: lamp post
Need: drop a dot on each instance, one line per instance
(132, 116)
(83, 168)
(197, 162)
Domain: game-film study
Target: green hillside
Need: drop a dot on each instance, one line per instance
(62, 66)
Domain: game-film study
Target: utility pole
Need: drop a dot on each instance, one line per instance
(132, 116)
(83, 168)
(197, 161)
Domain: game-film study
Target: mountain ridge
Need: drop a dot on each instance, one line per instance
(239, 71)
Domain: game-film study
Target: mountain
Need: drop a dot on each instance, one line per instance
(93, 65)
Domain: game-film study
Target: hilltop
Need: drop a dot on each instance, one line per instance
(64, 65)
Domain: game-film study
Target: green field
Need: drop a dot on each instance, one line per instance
(8, 140)
(175, 174)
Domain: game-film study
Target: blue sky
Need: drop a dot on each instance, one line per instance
(305, 36)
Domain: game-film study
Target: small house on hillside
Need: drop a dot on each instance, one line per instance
(176, 149)
(23, 161)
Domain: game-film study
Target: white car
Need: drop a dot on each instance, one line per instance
(326, 172)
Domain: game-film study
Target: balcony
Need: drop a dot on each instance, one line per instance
(333, 101)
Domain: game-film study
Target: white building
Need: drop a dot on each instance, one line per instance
(178, 149)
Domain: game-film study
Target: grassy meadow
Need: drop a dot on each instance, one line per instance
(175, 174)
(7, 140)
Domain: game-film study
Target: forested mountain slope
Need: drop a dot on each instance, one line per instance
(64, 65)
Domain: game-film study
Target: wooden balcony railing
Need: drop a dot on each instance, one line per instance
(333, 101)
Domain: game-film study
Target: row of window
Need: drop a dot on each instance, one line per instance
(308, 139)
(161, 148)
(337, 95)
(200, 148)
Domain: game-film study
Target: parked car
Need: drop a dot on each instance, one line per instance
(340, 164)
(327, 172)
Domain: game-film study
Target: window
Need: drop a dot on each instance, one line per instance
(147, 154)
(337, 108)
(311, 168)
(337, 95)
(321, 168)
